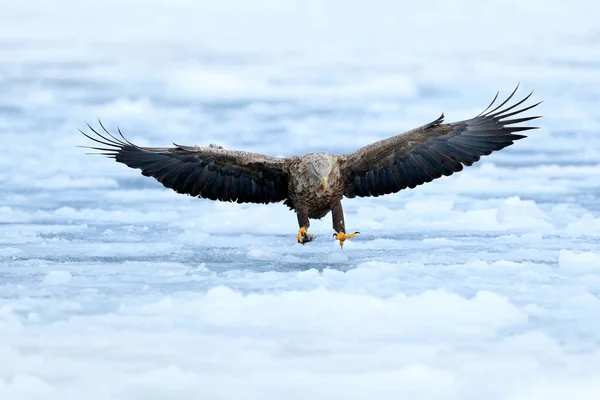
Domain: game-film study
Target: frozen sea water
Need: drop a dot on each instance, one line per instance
(483, 285)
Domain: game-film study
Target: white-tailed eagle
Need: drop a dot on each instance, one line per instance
(314, 184)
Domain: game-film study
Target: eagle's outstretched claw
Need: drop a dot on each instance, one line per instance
(304, 236)
(342, 236)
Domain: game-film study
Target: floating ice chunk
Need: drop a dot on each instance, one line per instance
(57, 278)
(9, 215)
(310, 276)
(431, 313)
(475, 220)
(517, 213)
(259, 254)
(586, 226)
(201, 268)
(579, 261)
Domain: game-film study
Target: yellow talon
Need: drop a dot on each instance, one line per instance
(342, 236)
(301, 234)
(304, 236)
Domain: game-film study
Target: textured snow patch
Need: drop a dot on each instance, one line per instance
(432, 313)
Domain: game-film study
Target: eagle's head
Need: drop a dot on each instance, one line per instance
(319, 167)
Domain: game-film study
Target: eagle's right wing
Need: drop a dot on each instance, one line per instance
(206, 172)
(426, 153)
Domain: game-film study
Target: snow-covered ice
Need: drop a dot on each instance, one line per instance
(483, 285)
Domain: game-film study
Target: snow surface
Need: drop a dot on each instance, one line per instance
(483, 285)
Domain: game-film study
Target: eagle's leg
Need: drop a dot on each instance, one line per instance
(339, 226)
(303, 223)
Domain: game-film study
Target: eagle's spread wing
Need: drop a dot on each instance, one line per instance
(205, 172)
(430, 151)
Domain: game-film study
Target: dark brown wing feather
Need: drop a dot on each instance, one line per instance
(430, 151)
(206, 172)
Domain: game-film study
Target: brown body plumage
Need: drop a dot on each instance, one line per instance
(314, 184)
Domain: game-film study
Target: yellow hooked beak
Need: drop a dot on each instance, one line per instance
(324, 182)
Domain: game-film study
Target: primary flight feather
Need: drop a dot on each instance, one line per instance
(314, 184)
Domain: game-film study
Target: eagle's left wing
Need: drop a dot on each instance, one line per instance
(206, 172)
(430, 151)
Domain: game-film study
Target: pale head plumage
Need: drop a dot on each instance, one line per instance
(319, 167)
